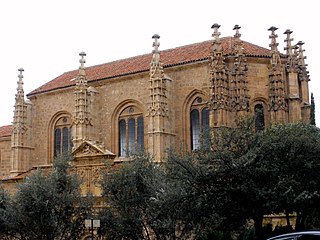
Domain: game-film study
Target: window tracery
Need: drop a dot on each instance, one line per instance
(62, 136)
(131, 131)
(199, 122)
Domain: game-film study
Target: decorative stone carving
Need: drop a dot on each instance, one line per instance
(219, 82)
(239, 95)
(292, 62)
(81, 116)
(302, 66)
(158, 105)
(276, 80)
(89, 148)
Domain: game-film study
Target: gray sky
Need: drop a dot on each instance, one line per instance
(45, 37)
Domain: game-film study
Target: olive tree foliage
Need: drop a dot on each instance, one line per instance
(182, 197)
(207, 180)
(291, 154)
(276, 174)
(245, 175)
(4, 203)
(133, 193)
(237, 175)
(48, 207)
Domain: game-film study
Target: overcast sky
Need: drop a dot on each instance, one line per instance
(45, 37)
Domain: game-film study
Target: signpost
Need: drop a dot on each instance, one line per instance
(91, 224)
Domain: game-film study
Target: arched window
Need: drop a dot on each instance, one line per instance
(259, 117)
(199, 123)
(62, 136)
(131, 131)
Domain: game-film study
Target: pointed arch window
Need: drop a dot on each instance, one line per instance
(199, 123)
(131, 131)
(259, 117)
(62, 136)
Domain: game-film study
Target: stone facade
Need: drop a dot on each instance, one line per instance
(152, 102)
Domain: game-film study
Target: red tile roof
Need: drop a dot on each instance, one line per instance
(171, 57)
(5, 131)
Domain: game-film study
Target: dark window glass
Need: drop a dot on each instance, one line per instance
(65, 140)
(205, 130)
(195, 129)
(205, 119)
(70, 140)
(122, 138)
(199, 124)
(131, 135)
(259, 117)
(140, 134)
(62, 136)
(57, 141)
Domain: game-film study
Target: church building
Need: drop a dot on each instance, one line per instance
(152, 102)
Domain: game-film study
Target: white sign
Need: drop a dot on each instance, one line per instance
(92, 223)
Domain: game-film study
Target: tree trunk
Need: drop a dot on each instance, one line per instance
(300, 221)
(288, 219)
(258, 226)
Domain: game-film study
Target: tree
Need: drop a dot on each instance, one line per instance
(49, 207)
(4, 204)
(132, 194)
(245, 175)
(290, 154)
(312, 111)
(206, 181)
(240, 175)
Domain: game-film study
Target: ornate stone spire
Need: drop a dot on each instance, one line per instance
(156, 44)
(303, 78)
(158, 106)
(288, 40)
(158, 90)
(273, 36)
(216, 43)
(219, 81)
(275, 55)
(291, 64)
(239, 96)
(81, 79)
(238, 44)
(302, 66)
(277, 102)
(81, 118)
(293, 87)
(20, 107)
(20, 92)
(18, 137)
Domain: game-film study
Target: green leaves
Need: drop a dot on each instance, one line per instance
(48, 206)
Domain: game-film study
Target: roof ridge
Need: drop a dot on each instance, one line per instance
(170, 57)
(140, 55)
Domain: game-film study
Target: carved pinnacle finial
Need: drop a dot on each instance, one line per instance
(288, 40)
(300, 43)
(216, 25)
(215, 33)
(20, 74)
(238, 45)
(155, 44)
(300, 52)
(237, 34)
(273, 37)
(20, 93)
(82, 60)
(288, 32)
(273, 28)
